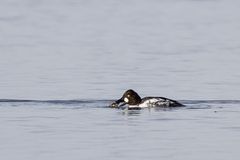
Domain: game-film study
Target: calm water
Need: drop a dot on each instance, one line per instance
(69, 59)
(90, 130)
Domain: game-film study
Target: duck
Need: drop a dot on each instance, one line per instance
(134, 101)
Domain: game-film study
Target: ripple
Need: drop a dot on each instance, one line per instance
(190, 104)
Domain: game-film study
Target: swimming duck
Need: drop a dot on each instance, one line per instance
(134, 101)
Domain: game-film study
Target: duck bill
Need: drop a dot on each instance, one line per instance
(123, 104)
(121, 100)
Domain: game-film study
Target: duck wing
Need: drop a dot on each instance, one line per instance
(161, 102)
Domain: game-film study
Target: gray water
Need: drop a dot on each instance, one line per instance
(63, 61)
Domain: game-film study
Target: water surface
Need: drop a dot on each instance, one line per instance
(67, 49)
(73, 129)
(63, 61)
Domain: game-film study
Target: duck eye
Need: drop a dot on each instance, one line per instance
(128, 95)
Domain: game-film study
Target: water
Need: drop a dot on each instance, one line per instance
(74, 129)
(62, 62)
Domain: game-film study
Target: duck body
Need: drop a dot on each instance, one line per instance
(134, 101)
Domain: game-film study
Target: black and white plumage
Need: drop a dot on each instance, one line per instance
(134, 101)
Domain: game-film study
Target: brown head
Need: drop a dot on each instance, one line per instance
(129, 97)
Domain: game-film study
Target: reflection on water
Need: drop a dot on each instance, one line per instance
(60, 130)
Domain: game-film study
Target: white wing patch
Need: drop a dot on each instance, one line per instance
(126, 100)
(153, 102)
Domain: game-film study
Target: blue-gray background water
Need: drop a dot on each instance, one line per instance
(67, 60)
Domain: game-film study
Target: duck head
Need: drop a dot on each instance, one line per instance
(129, 97)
